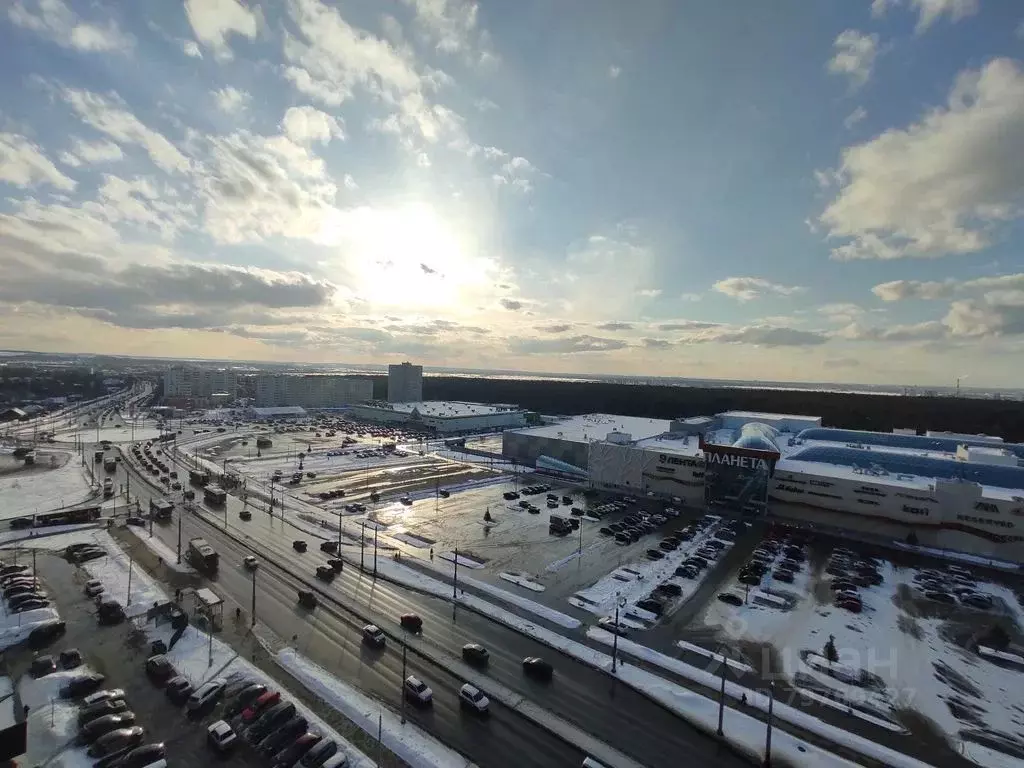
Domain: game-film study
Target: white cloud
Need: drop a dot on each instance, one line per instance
(109, 116)
(899, 290)
(191, 49)
(937, 186)
(854, 117)
(649, 293)
(516, 171)
(748, 288)
(231, 100)
(91, 153)
(23, 164)
(349, 183)
(691, 297)
(929, 11)
(450, 25)
(854, 56)
(213, 21)
(53, 20)
(485, 105)
(841, 311)
(614, 72)
(305, 125)
(931, 330)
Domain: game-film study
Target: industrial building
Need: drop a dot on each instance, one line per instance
(311, 390)
(193, 385)
(443, 417)
(405, 383)
(963, 492)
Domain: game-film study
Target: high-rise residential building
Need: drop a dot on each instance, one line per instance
(311, 391)
(405, 383)
(198, 384)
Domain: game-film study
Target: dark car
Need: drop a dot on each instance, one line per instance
(140, 757)
(94, 729)
(537, 668)
(42, 666)
(291, 754)
(284, 735)
(18, 602)
(90, 554)
(373, 636)
(22, 589)
(475, 654)
(307, 599)
(9, 570)
(324, 572)
(271, 719)
(655, 554)
(669, 588)
(70, 658)
(784, 576)
(650, 604)
(118, 742)
(178, 689)
(337, 564)
(299, 545)
(100, 709)
(136, 520)
(329, 546)
(411, 622)
(243, 698)
(321, 752)
(81, 686)
(750, 578)
(730, 599)
(110, 613)
(159, 669)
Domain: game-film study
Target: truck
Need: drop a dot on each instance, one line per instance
(202, 556)
(214, 494)
(160, 509)
(108, 488)
(198, 476)
(109, 464)
(97, 456)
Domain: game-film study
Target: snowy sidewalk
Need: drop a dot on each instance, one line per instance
(416, 747)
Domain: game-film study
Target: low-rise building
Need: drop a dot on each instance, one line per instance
(442, 416)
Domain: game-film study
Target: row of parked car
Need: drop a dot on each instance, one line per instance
(83, 551)
(850, 573)
(107, 727)
(253, 714)
(952, 586)
(22, 591)
(783, 558)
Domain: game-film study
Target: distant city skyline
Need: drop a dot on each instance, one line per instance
(751, 192)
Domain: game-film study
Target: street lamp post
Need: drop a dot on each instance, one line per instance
(620, 602)
(179, 536)
(768, 735)
(401, 682)
(721, 692)
(375, 553)
(253, 611)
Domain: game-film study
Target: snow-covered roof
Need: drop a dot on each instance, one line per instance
(596, 426)
(281, 410)
(667, 443)
(446, 408)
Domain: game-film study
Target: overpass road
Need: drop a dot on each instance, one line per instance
(610, 711)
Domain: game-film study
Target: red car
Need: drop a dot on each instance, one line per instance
(254, 710)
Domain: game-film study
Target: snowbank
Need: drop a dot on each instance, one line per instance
(161, 550)
(522, 580)
(43, 490)
(16, 627)
(415, 746)
(113, 571)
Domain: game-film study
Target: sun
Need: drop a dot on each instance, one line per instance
(409, 257)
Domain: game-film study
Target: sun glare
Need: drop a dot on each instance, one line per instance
(409, 257)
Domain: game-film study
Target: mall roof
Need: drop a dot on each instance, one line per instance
(596, 426)
(445, 408)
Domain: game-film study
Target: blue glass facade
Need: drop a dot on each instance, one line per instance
(922, 466)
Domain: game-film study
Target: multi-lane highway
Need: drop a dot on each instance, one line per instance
(329, 635)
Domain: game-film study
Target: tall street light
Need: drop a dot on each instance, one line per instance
(620, 602)
(721, 691)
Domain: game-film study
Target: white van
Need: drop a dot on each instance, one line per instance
(589, 762)
(338, 760)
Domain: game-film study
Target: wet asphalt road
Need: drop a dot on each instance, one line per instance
(612, 712)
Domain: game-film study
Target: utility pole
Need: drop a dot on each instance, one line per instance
(179, 536)
(362, 546)
(402, 682)
(253, 611)
(131, 561)
(455, 580)
(619, 602)
(721, 695)
(768, 735)
(375, 553)
(33, 564)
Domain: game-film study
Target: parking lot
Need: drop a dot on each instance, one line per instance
(118, 653)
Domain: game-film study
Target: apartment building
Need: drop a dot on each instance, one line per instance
(196, 385)
(405, 383)
(311, 391)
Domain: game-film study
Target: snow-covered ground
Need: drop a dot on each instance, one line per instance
(43, 489)
(41, 537)
(414, 578)
(635, 581)
(15, 627)
(52, 722)
(416, 747)
(161, 550)
(910, 660)
(113, 571)
(522, 580)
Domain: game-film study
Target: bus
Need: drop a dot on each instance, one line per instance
(198, 477)
(69, 516)
(214, 494)
(160, 509)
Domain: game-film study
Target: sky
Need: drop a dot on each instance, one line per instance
(826, 190)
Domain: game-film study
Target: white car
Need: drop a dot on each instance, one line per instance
(208, 693)
(107, 695)
(250, 562)
(221, 736)
(418, 691)
(472, 697)
(93, 588)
